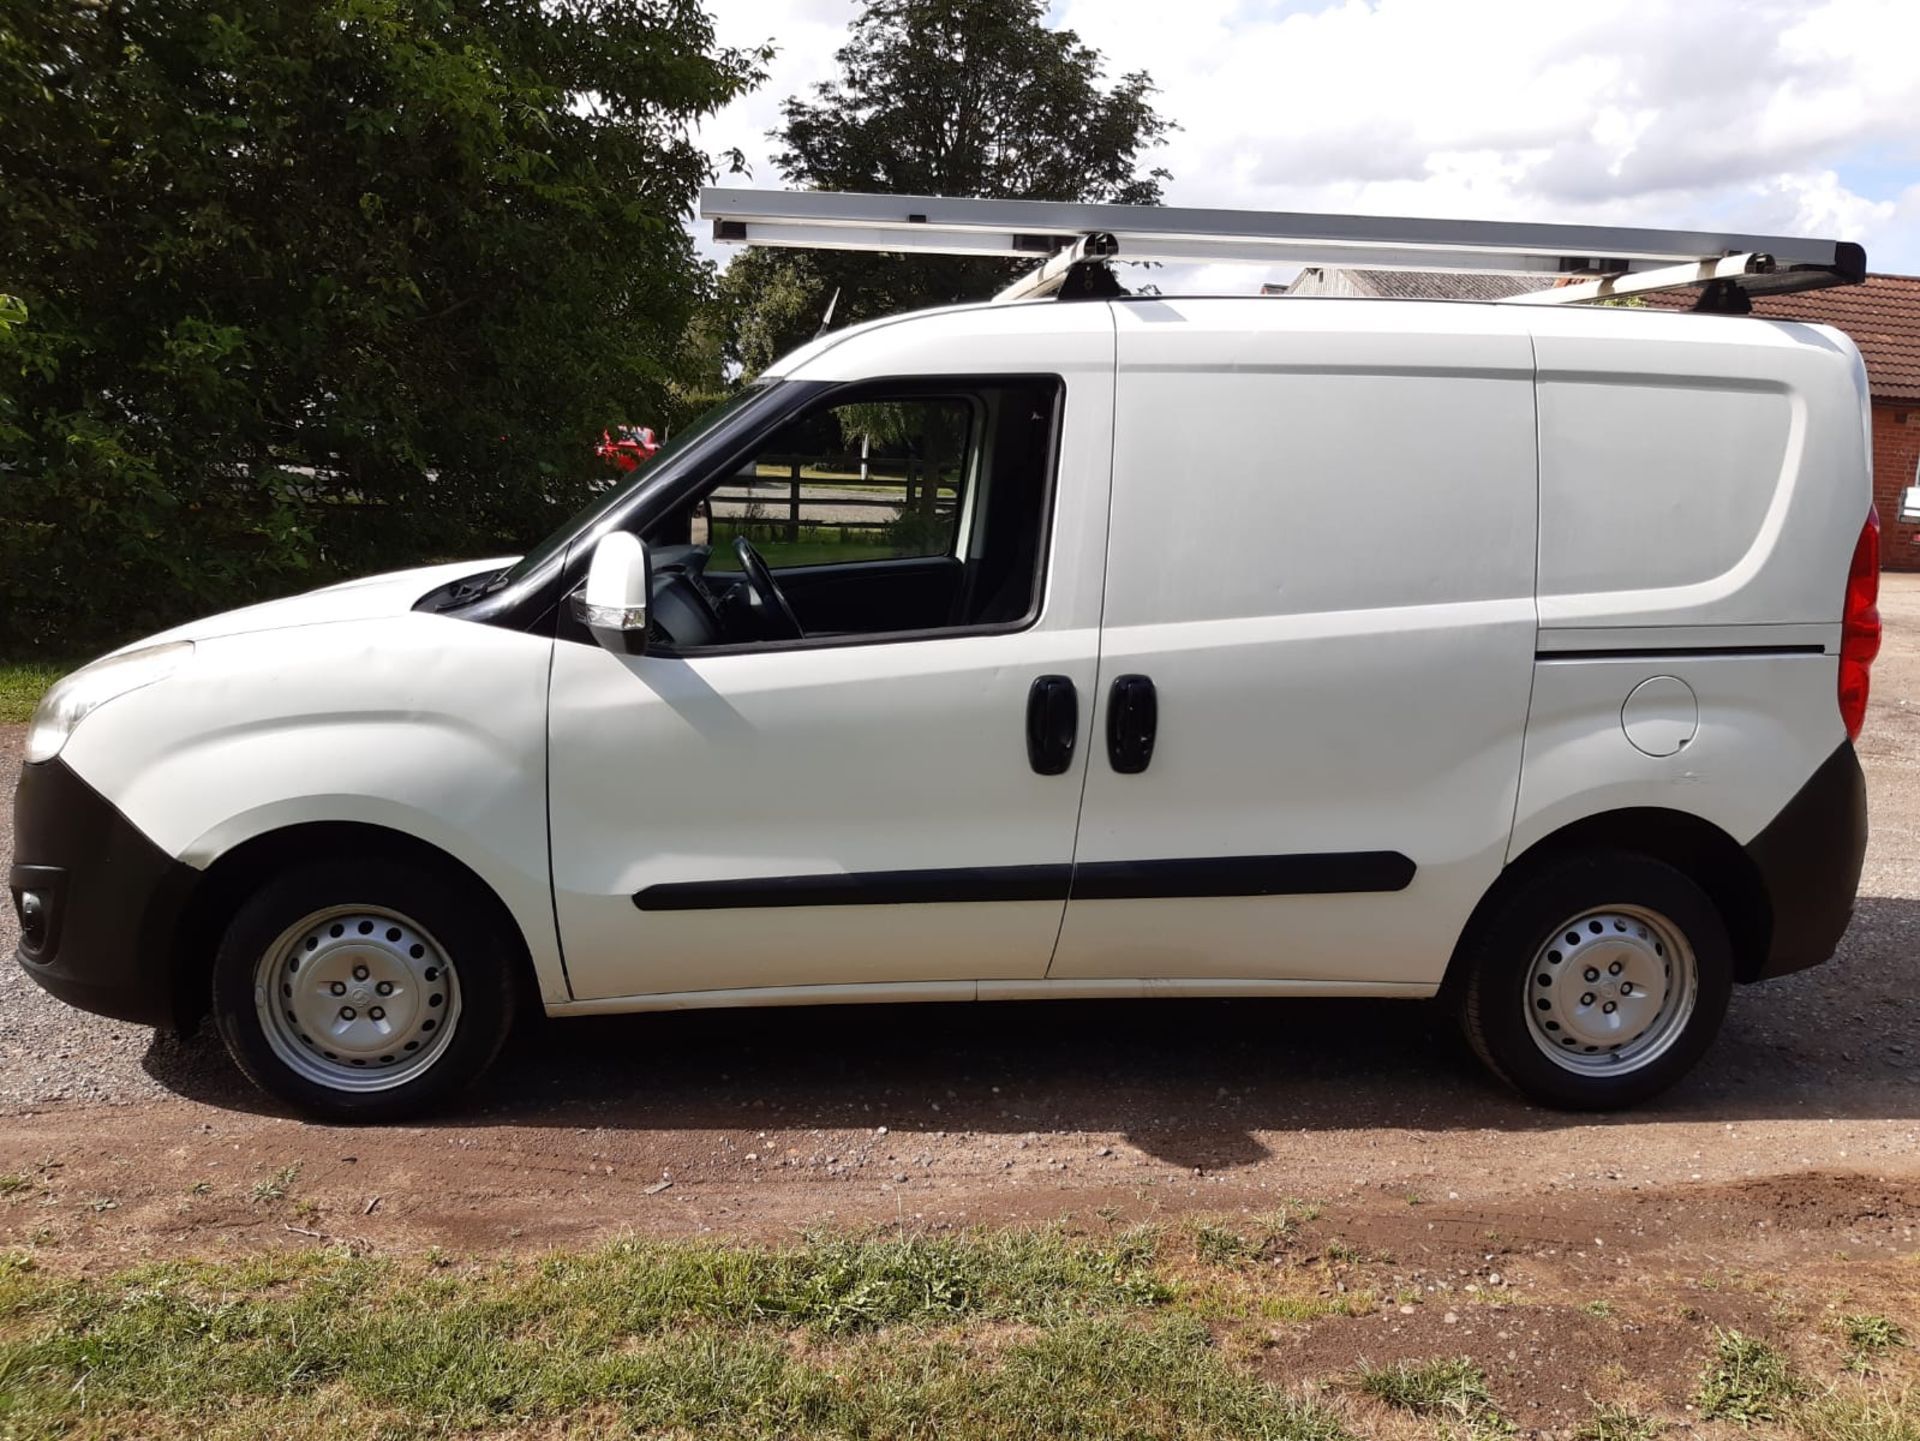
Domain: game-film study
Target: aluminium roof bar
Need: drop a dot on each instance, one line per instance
(1644, 282)
(1042, 229)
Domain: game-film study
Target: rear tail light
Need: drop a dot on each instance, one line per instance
(1860, 626)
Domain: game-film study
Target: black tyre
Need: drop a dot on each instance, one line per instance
(364, 990)
(1597, 981)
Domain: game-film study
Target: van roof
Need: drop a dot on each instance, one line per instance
(985, 317)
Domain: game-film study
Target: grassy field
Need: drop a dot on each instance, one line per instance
(1003, 1334)
(22, 682)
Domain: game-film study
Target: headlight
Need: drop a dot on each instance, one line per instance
(87, 689)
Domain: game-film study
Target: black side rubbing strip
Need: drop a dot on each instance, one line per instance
(1683, 652)
(1303, 875)
(862, 888)
(1315, 874)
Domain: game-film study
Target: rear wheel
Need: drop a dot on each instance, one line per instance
(363, 990)
(1598, 981)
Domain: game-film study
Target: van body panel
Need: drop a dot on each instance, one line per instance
(897, 767)
(1327, 684)
(1765, 724)
(420, 724)
(1696, 470)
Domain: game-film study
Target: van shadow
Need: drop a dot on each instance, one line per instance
(1192, 1083)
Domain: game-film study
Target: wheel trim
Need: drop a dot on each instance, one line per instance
(1610, 990)
(356, 998)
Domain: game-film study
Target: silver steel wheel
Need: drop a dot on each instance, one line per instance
(356, 998)
(1611, 990)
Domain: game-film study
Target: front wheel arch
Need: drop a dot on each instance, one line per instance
(225, 885)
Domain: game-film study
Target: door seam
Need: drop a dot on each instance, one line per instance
(1099, 631)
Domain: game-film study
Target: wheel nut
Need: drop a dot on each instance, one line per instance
(359, 973)
(1587, 999)
(385, 988)
(1592, 974)
(377, 1014)
(1626, 988)
(1616, 968)
(339, 988)
(346, 1013)
(1609, 1008)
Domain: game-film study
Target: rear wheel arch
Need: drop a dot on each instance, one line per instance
(1697, 848)
(226, 884)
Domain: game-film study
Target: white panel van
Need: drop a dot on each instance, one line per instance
(1116, 647)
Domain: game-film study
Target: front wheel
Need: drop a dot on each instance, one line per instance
(363, 990)
(1598, 981)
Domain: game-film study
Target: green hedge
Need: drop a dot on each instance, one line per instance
(297, 290)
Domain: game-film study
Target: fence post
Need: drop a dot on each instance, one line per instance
(793, 499)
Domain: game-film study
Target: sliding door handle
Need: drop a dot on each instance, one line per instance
(1053, 720)
(1133, 716)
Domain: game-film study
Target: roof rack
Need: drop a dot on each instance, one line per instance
(1076, 243)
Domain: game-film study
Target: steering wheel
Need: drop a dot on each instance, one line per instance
(781, 622)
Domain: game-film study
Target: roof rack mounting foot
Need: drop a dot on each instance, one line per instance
(1090, 280)
(1723, 297)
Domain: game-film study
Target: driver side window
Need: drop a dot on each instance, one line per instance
(883, 513)
(868, 480)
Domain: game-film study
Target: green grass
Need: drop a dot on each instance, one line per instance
(1747, 1381)
(1618, 1423)
(1869, 1336)
(994, 1335)
(22, 683)
(1452, 1389)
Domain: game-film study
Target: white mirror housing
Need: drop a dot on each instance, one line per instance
(613, 602)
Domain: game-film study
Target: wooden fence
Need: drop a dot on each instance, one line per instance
(906, 493)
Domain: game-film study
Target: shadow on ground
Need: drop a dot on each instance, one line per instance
(1190, 1082)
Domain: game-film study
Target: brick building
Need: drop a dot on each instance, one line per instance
(1882, 315)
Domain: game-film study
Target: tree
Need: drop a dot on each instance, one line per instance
(940, 97)
(313, 285)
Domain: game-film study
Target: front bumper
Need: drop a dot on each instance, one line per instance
(100, 929)
(1809, 858)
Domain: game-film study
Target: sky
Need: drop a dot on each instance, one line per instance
(1767, 116)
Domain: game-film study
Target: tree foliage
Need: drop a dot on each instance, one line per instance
(305, 286)
(940, 97)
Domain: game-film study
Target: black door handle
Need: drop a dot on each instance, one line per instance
(1053, 719)
(1133, 716)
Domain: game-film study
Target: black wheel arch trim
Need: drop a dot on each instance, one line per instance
(1809, 857)
(117, 900)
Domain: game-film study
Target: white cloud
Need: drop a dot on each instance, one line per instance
(1763, 115)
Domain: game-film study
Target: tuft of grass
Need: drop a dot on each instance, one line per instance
(1618, 1423)
(1748, 1381)
(276, 1186)
(1453, 1388)
(1219, 1245)
(910, 1336)
(22, 683)
(1869, 1335)
(12, 1185)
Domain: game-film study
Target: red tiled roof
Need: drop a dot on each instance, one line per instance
(1882, 315)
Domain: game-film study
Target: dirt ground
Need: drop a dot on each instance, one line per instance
(1777, 1187)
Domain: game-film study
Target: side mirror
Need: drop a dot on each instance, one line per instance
(613, 602)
